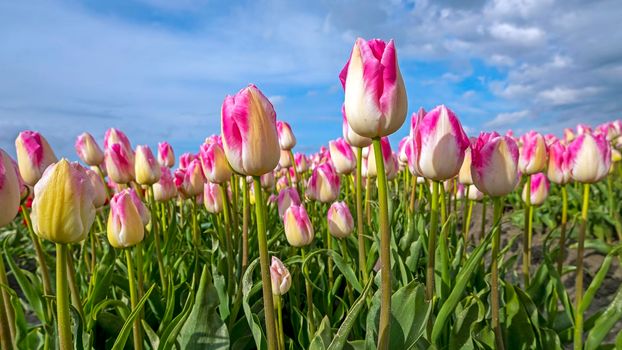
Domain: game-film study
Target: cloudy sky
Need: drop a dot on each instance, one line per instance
(159, 69)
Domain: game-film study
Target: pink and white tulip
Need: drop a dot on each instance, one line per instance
(298, 228)
(9, 189)
(286, 198)
(539, 189)
(323, 184)
(590, 158)
(351, 137)
(126, 225)
(494, 164)
(165, 188)
(342, 156)
(88, 150)
(558, 170)
(287, 140)
(146, 168)
(214, 163)
(280, 277)
(100, 195)
(212, 198)
(34, 155)
(340, 222)
(166, 155)
(533, 154)
(387, 153)
(119, 163)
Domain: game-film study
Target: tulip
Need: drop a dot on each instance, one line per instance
(267, 181)
(249, 132)
(340, 222)
(212, 198)
(494, 164)
(119, 163)
(281, 279)
(342, 156)
(583, 129)
(323, 184)
(539, 189)
(166, 156)
(185, 159)
(62, 209)
(301, 162)
(568, 135)
(165, 188)
(99, 188)
(590, 158)
(351, 137)
(533, 154)
(287, 140)
(284, 159)
(286, 198)
(146, 168)
(439, 144)
(214, 163)
(9, 189)
(386, 156)
(550, 139)
(298, 229)
(558, 170)
(88, 150)
(113, 136)
(375, 95)
(34, 155)
(193, 179)
(126, 221)
(464, 175)
(474, 194)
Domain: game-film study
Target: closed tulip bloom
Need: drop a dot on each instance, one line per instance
(302, 164)
(9, 189)
(533, 155)
(286, 198)
(340, 222)
(375, 96)
(494, 164)
(34, 155)
(583, 129)
(62, 209)
(146, 168)
(539, 189)
(145, 216)
(267, 181)
(475, 194)
(249, 132)
(550, 139)
(464, 175)
(126, 226)
(185, 159)
(119, 163)
(287, 140)
(439, 144)
(88, 150)
(113, 135)
(214, 163)
(193, 179)
(392, 167)
(99, 188)
(568, 135)
(284, 160)
(166, 156)
(298, 229)
(351, 137)
(324, 183)
(165, 188)
(280, 277)
(386, 156)
(558, 170)
(590, 158)
(342, 156)
(212, 198)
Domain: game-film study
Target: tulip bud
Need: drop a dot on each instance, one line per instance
(166, 156)
(119, 163)
(185, 159)
(267, 181)
(212, 198)
(386, 156)
(590, 158)
(193, 179)
(298, 229)
(99, 188)
(568, 135)
(34, 155)
(284, 160)
(62, 209)
(439, 143)
(164, 189)
(559, 164)
(301, 162)
(113, 136)
(323, 184)
(214, 163)
(342, 156)
(583, 129)
(249, 132)
(352, 138)
(392, 167)
(340, 222)
(494, 164)
(286, 198)
(9, 189)
(145, 216)
(126, 226)
(474, 193)
(533, 154)
(550, 139)
(287, 140)
(539, 189)
(281, 279)
(375, 95)
(146, 167)
(88, 150)
(464, 176)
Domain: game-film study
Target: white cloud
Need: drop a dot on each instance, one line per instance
(506, 119)
(276, 99)
(524, 36)
(560, 95)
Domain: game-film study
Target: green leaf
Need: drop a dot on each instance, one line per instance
(409, 315)
(322, 336)
(605, 322)
(472, 313)
(119, 344)
(154, 340)
(170, 333)
(595, 285)
(31, 292)
(517, 326)
(253, 320)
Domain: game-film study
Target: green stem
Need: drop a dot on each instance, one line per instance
(368, 200)
(195, 226)
(76, 301)
(7, 317)
(359, 216)
(612, 207)
(265, 265)
(309, 291)
(138, 343)
(293, 161)
(279, 307)
(156, 238)
(62, 299)
(385, 250)
(578, 330)
(228, 243)
(527, 234)
(329, 246)
(245, 217)
(562, 234)
(429, 286)
(139, 270)
(466, 207)
(494, 291)
(442, 193)
(45, 274)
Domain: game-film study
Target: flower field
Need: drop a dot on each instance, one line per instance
(443, 241)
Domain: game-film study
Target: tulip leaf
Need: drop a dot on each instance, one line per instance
(119, 344)
(322, 336)
(25, 280)
(605, 322)
(253, 320)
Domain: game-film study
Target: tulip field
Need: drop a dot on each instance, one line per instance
(443, 241)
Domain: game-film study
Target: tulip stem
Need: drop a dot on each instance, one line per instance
(138, 343)
(156, 238)
(482, 231)
(228, 243)
(562, 234)
(309, 291)
(296, 175)
(494, 291)
(62, 299)
(76, 301)
(527, 233)
(279, 308)
(442, 194)
(265, 265)
(7, 316)
(195, 226)
(578, 324)
(466, 212)
(368, 200)
(359, 215)
(429, 286)
(385, 250)
(329, 246)
(245, 218)
(413, 193)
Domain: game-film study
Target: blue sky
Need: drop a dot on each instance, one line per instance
(159, 70)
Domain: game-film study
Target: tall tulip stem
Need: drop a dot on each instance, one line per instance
(156, 236)
(429, 281)
(309, 291)
(562, 234)
(228, 242)
(494, 291)
(385, 250)
(359, 215)
(245, 218)
(62, 299)
(578, 323)
(138, 343)
(527, 233)
(265, 264)
(279, 307)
